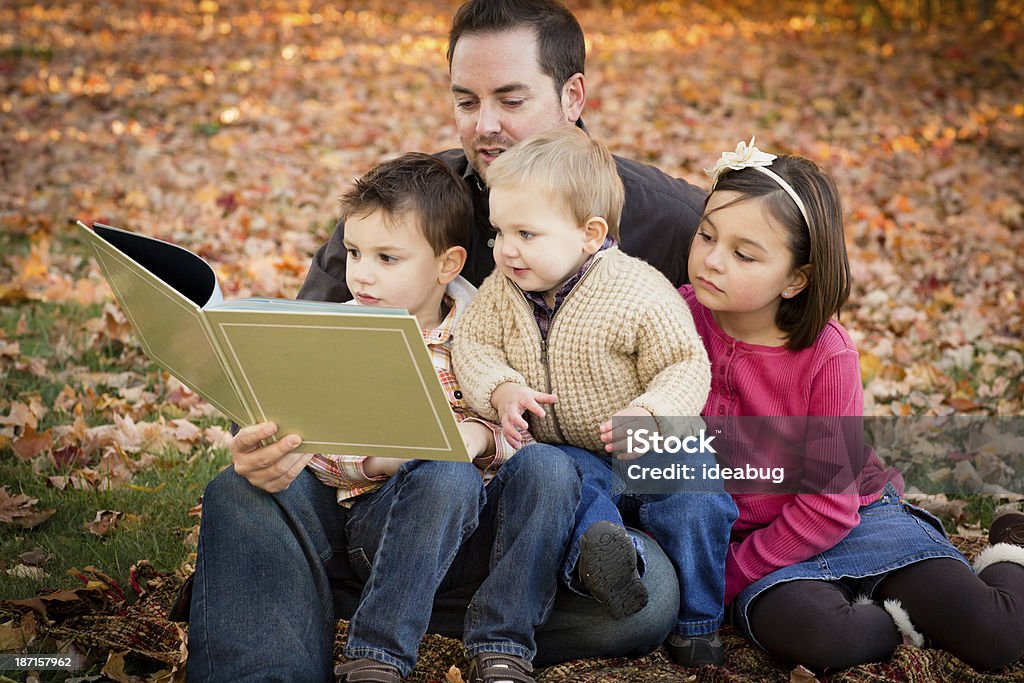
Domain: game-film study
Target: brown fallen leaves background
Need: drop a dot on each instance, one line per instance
(231, 128)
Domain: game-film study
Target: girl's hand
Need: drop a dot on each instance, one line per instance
(512, 400)
(270, 468)
(615, 432)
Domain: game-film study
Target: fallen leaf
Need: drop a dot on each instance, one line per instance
(20, 510)
(13, 637)
(23, 571)
(801, 674)
(30, 443)
(114, 668)
(105, 522)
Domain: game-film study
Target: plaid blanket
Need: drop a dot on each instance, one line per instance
(102, 621)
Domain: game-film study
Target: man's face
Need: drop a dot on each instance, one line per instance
(501, 96)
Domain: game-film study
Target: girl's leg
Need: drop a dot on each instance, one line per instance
(977, 617)
(819, 624)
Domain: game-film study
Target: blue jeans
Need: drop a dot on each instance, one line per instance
(273, 575)
(434, 525)
(693, 527)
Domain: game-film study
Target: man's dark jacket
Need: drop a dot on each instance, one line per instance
(658, 221)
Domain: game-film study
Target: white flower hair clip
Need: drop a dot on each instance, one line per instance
(749, 156)
(745, 156)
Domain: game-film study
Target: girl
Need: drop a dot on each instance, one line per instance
(769, 271)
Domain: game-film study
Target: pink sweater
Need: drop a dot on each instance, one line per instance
(775, 531)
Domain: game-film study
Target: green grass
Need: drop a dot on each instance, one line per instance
(156, 499)
(159, 498)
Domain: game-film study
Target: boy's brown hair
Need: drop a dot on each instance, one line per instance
(417, 185)
(567, 166)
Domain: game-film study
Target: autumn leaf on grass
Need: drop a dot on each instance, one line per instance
(939, 505)
(185, 434)
(68, 457)
(111, 520)
(20, 510)
(111, 326)
(59, 605)
(20, 415)
(23, 571)
(15, 635)
(31, 443)
(9, 349)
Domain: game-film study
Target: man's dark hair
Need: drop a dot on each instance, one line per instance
(560, 46)
(420, 186)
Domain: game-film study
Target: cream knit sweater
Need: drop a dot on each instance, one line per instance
(622, 337)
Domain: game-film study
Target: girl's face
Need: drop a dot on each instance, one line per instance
(740, 262)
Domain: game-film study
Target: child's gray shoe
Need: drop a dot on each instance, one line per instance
(367, 671)
(693, 651)
(495, 667)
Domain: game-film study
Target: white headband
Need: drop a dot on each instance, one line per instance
(748, 156)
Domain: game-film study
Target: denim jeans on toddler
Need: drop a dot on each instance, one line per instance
(692, 524)
(433, 525)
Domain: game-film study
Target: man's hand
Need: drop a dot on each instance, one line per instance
(270, 468)
(614, 431)
(512, 400)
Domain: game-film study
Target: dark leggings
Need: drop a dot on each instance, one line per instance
(977, 617)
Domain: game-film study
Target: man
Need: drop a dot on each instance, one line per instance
(273, 569)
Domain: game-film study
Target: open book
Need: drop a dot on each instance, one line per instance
(348, 379)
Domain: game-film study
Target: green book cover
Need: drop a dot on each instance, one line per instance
(351, 380)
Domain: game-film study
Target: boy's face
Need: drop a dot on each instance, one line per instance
(538, 243)
(390, 263)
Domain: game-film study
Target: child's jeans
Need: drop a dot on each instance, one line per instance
(435, 524)
(691, 526)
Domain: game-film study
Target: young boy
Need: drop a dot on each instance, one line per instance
(405, 225)
(571, 322)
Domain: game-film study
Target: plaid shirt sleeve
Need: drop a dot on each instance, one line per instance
(502, 448)
(345, 473)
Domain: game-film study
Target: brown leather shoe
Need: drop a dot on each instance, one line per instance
(495, 667)
(367, 671)
(1007, 527)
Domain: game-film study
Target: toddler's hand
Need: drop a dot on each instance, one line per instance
(512, 400)
(614, 432)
